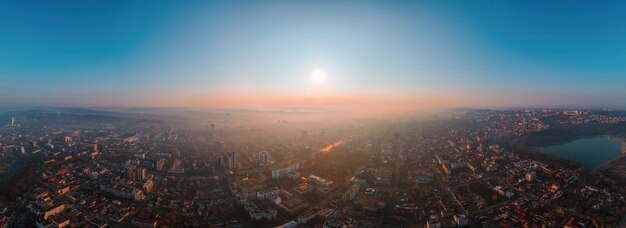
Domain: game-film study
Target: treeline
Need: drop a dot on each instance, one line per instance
(15, 183)
(560, 135)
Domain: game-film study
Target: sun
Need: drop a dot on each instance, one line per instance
(318, 76)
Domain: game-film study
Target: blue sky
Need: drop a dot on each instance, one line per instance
(165, 53)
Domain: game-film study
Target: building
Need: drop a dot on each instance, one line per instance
(230, 160)
(130, 173)
(351, 193)
(572, 113)
(283, 171)
(176, 167)
(131, 139)
(506, 192)
(263, 195)
(268, 214)
(461, 220)
(531, 176)
(293, 175)
(54, 221)
(263, 157)
(258, 211)
(47, 210)
(302, 188)
(138, 195)
(123, 192)
(308, 215)
(63, 190)
(160, 165)
(141, 173)
(175, 163)
(292, 205)
(315, 180)
(147, 187)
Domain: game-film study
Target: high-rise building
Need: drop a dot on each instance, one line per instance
(141, 173)
(263, 157)
(129, 173)
(12, 121)
(147, 187)
(160, 165)
(174, 164)
(231, 160)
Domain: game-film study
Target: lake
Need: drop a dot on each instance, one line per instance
(591, 152)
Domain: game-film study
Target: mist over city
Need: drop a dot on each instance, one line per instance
(325, 114)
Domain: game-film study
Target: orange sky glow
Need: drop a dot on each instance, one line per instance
(384, 102)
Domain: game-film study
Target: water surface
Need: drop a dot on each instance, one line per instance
(591, 152)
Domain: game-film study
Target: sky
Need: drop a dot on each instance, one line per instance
(391, 55)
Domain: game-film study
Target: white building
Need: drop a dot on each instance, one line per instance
(262, 195)
(283, 171)
(315, 180)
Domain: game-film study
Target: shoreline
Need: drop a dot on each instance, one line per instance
(566, 141)
(611, 163)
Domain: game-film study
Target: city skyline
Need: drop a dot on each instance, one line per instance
(397, 56)
(329, 114)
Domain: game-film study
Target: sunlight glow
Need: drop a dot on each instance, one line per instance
(318, 76)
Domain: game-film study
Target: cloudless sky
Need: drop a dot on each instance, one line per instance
(261, 53)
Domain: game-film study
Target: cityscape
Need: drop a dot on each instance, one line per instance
(86, 168)
(325, 114)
